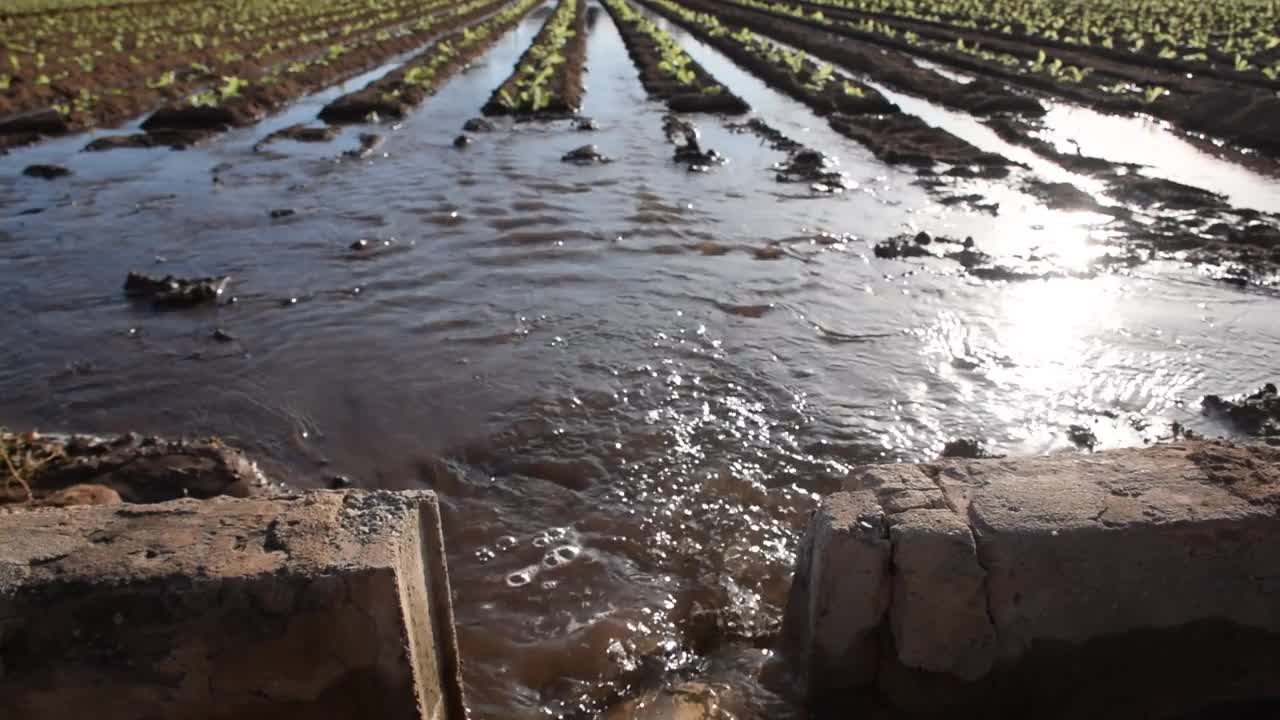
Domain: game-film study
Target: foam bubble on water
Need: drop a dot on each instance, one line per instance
(505, 543)
(560, 555)
(520, 578)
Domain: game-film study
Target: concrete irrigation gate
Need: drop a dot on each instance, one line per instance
(318, 605)
(1129, 584)
(1134, 583)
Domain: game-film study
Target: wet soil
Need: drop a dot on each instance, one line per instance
(46, 172)
(1171, 219)
(1256, 414)
(173, 139)
(82, 470)
(170, 291)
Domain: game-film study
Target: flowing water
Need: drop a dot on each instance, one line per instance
(626, 432)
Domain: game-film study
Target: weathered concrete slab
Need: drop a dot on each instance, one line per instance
(317, 605)
(835, 610)
(1009, 575)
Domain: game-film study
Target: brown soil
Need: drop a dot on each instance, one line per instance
(392, 97)
(906, 139)
(568, 80)
(62, 470)
(646, 55)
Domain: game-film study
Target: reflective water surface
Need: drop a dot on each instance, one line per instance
(626, 427)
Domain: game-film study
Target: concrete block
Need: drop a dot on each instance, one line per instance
(939, 612)
(840, 594)
(1093, 545)
(1129, 583)
(317, 605)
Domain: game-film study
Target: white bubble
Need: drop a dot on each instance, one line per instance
(560, 555)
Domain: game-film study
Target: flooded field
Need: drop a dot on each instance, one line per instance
(630, 380)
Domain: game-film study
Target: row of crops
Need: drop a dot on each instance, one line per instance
(101, 64)
(1240, 35)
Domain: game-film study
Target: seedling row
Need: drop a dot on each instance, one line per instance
(666, 70)
(547, 79)
(393, 95)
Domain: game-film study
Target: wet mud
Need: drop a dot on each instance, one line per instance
(46, 172)
(173, 292)
(1159, 216)
(64, 470)
(1256, 414)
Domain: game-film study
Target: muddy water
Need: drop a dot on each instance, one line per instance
(626, 432)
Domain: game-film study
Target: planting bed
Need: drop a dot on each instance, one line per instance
(394, 94)
(547, 80)
(666, 69)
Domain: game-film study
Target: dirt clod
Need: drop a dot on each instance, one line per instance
(586, 155)
(1257, 414)
(970, 448)
(46, 172)
(478, 125)
(73, 470)
(173, 291)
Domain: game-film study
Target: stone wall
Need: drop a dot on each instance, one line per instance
(1129, 583)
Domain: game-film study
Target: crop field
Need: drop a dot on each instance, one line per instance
(631, 282)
